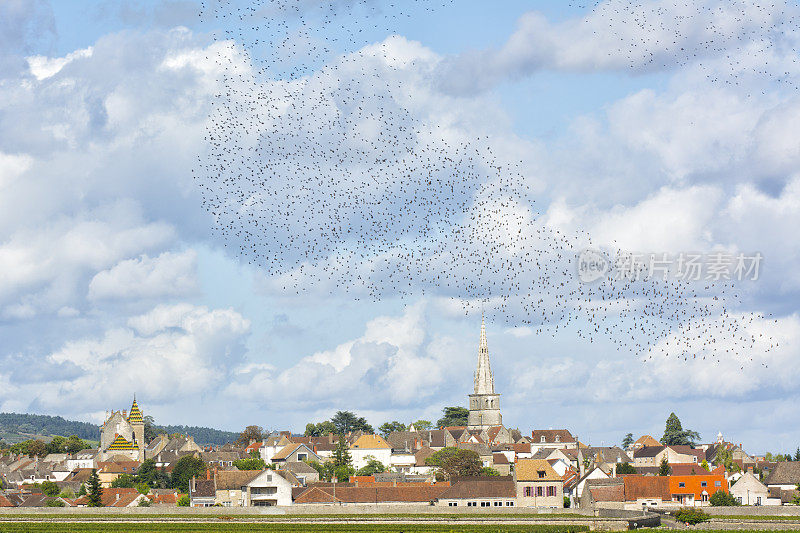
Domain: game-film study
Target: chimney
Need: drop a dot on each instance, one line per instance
(117, 496)
(124, 413)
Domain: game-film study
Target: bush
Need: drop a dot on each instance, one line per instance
(691, 515)
(566, 502)
(55, 503)
(183, 501)
(723, 498)
(50, 488)
(144, 502)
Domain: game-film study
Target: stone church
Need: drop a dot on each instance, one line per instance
(484, 404)
(122, 433)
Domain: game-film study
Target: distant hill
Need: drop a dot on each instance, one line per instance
(16, 427)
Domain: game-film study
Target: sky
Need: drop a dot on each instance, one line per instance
(662, 126)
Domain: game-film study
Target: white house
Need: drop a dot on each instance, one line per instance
(750, 491)
(368, 447)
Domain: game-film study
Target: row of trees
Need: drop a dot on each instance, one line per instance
(149, 476)
(344, 422)
(40, 448)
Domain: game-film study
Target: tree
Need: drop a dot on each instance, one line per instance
(675, 435)
(185, 469)
(36, 447)
(253, 463)
(250, 434)
(665, 469)
(143, 488)
(325, 470)
(723, 498)
(724, 457)
(67, 493)
(705, 466)
(321, 429)
(346, 421)
(147, 472)
(627, 441)
(372, 467)
(422, 425)
(183, 501)
(625, 468)
(144, 502)
(453, 416)
(456, 462)
(391, 427)
(56, 444)
(797, 454)
(49, 488)
(95, 491)
(74, 444)
(124, 481)
(489, 471)
(341, 455)
(462, 463)
(150, 428)
(81, 491)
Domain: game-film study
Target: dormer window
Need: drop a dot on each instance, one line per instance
(541, 473)
(542, 439)
(558, 438)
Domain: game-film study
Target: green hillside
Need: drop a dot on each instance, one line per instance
(17, 427)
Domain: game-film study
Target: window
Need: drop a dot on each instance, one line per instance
(717, 483)
(302, 456)
(471, 504)
(452, 504)
(542, 439)
(558, 438)
(539, 491)
(509, 504)
(551, 491)
(681, 484)
(498, 504)
(541, 473)
(484, 504)
(527, 491)
(704, 483)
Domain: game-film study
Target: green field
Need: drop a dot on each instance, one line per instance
(72, 527)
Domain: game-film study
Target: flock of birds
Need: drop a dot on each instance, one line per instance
(319, 172)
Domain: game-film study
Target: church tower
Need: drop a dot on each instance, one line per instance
(484, 404)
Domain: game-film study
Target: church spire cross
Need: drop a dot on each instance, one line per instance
(484, 382)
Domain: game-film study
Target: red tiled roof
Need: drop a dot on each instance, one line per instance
(372, 494)
(646, 487)
(5, 502)
(113, 497)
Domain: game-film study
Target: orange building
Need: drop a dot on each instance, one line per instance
(696, 489)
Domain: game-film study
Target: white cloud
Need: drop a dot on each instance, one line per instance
(43, 67)
(168, 275)
(188, 353)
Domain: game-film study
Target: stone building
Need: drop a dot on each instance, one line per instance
(122, 433)
(484, 404)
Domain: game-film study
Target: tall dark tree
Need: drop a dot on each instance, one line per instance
(346, 421)
(95, 491)
(675, 435)
(453, 416)
(341, 455)
(627, 441)
(664, 469)
(74, 444)
(185, 469)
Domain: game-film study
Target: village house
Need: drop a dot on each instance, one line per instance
(370, 447)
(748, 490)
(479, 492)
(538, 485)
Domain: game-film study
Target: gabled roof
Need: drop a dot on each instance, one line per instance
(529, 470)
(371, 442)
(784, 474)
(499, 459)
(235, 479)
(645, 440)
(113, 497)
(121, 443)
(551, 436)
(5, 502)
(646, 487)
(372, 494)
(299, 467)
(648, 451)
(493, 487)
(288, 450)
(203, 488)
(422, 454)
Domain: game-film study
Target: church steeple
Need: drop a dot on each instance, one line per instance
(484, 381)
